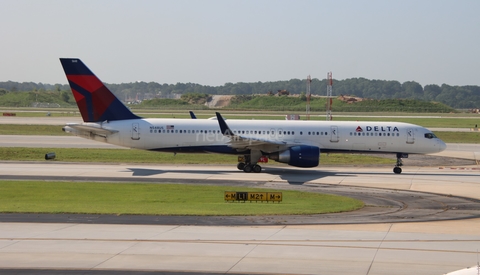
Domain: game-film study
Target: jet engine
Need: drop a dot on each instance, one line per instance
(299, 156)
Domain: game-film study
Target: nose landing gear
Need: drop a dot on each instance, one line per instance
(397, 169)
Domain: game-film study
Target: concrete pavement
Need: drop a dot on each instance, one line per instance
(405, 248)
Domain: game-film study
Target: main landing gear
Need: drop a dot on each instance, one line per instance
(397, 169)
(245, 163)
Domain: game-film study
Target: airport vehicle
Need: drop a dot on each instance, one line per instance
(296, 143)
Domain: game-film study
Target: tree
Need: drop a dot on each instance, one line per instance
(431, 92)
(65, 96)
(412, 89)
(303, 97)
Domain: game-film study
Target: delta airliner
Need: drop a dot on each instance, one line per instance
(294, 142)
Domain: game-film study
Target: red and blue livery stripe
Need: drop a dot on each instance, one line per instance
(95, 101)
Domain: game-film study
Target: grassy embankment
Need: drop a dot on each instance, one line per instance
(297, 103)
(64, 99)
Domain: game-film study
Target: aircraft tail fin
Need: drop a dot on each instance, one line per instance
(95, 101)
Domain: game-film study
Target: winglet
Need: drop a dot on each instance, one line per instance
(192, 115)
(223, 126)
(95, 101)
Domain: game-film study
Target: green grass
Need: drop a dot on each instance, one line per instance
(22, 129)
(245, 102)
(27, 98)
(43, 113)
(141, 156)
(459, 137)
(156, 199)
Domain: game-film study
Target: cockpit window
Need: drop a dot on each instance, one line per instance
(430, 135)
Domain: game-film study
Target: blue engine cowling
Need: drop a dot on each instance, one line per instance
(299, 156)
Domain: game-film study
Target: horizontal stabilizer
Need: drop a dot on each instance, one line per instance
(92, 128)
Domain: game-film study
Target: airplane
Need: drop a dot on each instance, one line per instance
(294, 142)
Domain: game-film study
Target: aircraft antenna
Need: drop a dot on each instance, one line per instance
(309, 82)
(329, 96)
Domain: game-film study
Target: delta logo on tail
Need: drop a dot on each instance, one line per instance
(95, 101)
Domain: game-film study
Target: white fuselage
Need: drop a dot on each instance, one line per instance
(197, 135)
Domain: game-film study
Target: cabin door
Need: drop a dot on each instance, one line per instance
(410, 136)
(334, 134)
(135, 131)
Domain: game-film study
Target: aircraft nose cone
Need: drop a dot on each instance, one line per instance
(441, 145)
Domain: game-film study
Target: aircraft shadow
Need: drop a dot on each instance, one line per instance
(298, 177)
(292, 176)
(141, 172)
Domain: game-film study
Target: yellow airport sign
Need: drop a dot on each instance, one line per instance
(253, 196)
(230, 196)
(257, 196)
(274, 196)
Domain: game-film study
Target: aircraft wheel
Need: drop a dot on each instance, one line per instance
(257, 168)
(397, 170)
(247, 168)
(240, 165)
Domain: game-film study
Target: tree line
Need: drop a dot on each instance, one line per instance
(459, 97)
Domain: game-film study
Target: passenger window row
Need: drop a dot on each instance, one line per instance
(239, 132)
(375, 134)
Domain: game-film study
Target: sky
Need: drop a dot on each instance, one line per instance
(213, 42)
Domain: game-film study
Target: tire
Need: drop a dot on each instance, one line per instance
(240, 166)
(397, 170)
(247, 168)
(257, 168)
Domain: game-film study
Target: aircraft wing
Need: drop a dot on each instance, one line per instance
(91, 128)
(242, 142)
